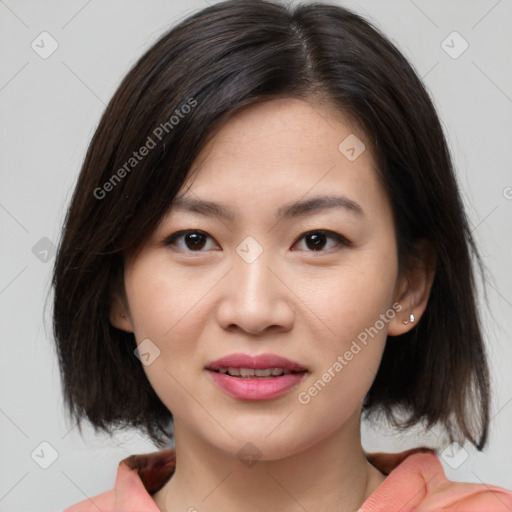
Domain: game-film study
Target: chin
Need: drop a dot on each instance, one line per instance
(253, 443)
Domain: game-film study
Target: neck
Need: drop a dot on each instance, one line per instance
(331, 475)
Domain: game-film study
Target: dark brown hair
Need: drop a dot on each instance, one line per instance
(212, 65)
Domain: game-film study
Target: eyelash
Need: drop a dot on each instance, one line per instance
(340, 239)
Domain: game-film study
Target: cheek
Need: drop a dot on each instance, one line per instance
(355, 308)
(161, 301)
(353, 298)
(166, 308)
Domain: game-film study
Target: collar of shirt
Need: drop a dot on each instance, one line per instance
(415, 481)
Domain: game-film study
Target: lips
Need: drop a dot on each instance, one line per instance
(247, 373)
(256, 362)
(260, 377)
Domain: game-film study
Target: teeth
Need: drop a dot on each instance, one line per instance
(252, 372)
(260, 372)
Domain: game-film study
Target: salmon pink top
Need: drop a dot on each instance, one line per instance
(415, 481)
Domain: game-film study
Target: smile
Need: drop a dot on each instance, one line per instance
(255, 376)
(256, 384)
(255, 372)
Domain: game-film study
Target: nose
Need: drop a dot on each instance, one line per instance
(255, 298)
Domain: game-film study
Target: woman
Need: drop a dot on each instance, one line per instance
(266, 242)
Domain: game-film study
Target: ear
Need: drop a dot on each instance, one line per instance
(413, 288)
(120, 316)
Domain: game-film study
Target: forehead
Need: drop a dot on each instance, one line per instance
(281, 150)
(284, 127)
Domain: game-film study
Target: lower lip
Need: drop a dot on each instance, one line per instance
(258, 388)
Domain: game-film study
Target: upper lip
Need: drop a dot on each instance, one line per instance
(259, 361)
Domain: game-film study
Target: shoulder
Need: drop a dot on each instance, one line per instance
(138, 477)
(417, 481)
(104, 502)
(467, 497)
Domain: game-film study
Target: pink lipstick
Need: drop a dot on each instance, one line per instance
(257, 377)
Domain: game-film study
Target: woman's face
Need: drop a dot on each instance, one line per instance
(259, 274)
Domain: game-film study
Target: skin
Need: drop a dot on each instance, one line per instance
(304, 304)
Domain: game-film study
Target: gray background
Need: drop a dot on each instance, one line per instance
(49, 109)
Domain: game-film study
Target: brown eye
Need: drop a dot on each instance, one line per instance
(316, 241)
(195, 241)
(188, 240)
(322, 240)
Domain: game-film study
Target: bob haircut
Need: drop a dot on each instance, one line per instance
(197, 75)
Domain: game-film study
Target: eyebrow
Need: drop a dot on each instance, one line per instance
(291, 210)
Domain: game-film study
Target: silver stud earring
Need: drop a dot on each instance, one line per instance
(411, 319)
(122, 315)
